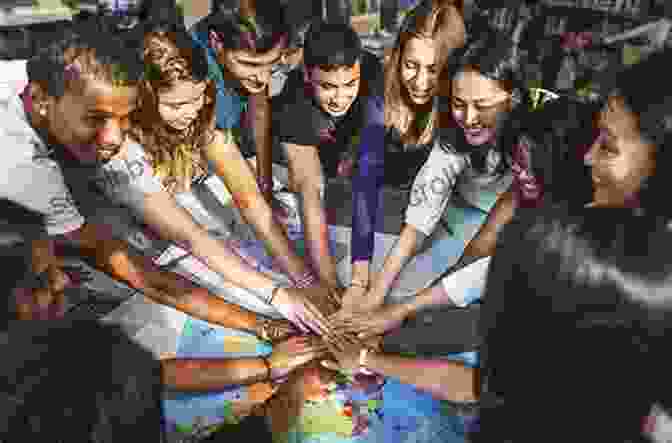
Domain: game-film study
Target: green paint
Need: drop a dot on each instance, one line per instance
(226, 412)
(325, 417)
(374, 404)
(300, 245)
(188, 328)
(184, 429)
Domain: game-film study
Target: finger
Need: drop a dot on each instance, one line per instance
(58, 280)
(331, 365)
(43, 298)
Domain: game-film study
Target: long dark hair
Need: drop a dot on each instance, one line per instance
(494, 55)
(52, 390)
(647, 92)
(577, 318)
(557, 136)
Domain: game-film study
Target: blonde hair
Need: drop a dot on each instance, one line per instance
(175, 156)
(444, 25)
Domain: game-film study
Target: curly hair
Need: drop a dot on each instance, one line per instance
(170, 58)
(442, 22)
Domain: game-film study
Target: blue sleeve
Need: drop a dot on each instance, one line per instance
(228, 107)
(369, 179)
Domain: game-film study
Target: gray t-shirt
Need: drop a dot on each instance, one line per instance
(29, 177)
(445, 171)
(63, 190)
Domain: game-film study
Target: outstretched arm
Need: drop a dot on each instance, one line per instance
(237, 175)
(308, 180)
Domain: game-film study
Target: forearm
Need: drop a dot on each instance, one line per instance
(317, 236)
(261, 107)
(114, 258)
(403, 250)
(361, 271)
(174, 224)
(483, 244)
(205, 375)
(275, 239)
(444, 379)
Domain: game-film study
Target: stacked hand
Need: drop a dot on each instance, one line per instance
(370, 324)
(273, 330)
(359, 299)
(298, 306)
(294, 353)
(347, 358)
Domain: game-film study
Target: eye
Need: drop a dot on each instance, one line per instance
(96, 120)
(410, 65)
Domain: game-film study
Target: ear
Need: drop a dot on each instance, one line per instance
(40, 100)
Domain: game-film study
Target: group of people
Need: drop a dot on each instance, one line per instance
(568, 198)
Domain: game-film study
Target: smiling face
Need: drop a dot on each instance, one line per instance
(620, 159)
(179, 106)
(251, 69)
(478, 105)
(92, 121)
(419, 70)
(336, 90)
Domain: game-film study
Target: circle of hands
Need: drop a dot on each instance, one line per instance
(330, 325)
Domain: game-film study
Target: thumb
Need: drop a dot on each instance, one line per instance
(331, 365)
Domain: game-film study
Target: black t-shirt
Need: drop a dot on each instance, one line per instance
(298, 118)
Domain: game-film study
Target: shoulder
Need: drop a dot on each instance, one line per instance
(19, 140)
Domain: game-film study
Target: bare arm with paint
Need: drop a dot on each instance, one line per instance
(207, 375)
(230, 165)
(444, 379)
(261, 106)
(308, 180)
(483, 244)
(114, 258)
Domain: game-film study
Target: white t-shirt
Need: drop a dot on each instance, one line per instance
(447, 170)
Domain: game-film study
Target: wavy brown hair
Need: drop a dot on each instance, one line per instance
(443, 23)
(175, 155)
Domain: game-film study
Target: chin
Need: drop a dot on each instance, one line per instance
(253, 91)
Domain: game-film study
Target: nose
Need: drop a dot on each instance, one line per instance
(110, 135)
(422, 81)
(470, 116)
(589, 158)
